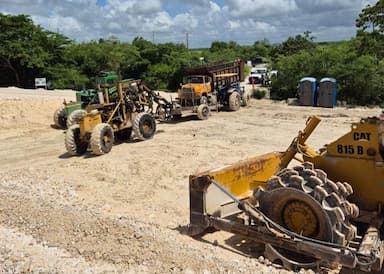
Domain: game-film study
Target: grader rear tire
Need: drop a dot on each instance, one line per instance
(144, 126)
(305, 201)
(59, 117)
(75, 116)
(102, 139)
(234, 101)
(73, 143)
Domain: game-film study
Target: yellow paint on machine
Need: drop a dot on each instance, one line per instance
(243, 177)
(88, 122)
(357, 158)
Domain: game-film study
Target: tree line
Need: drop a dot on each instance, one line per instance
(28, 51)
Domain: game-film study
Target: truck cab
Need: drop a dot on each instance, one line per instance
(194, 88)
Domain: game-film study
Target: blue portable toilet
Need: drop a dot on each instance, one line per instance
(307, 91)
(327, 93)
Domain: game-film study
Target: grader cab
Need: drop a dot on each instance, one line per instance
(325, 212)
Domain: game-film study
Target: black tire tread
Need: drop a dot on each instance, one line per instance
(96, 139)
(136, 126)
(329, 195)
(200, 112)
(234, 101)
(59, 118)
(75, 116)
(72, 143)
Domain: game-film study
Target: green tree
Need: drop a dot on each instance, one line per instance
(27, 50)
(370, 30)
(294, 44)
(21, 48)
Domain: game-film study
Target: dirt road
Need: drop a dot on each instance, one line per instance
(124, 212)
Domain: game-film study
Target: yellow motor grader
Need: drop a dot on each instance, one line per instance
(121, 109)
(323, 213)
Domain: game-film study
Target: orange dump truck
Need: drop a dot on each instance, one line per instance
(214, 86)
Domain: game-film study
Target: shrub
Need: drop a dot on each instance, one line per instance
(258, 93)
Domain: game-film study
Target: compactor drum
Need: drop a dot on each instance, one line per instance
(306, 215)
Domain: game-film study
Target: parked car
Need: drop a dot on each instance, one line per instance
(258, 75)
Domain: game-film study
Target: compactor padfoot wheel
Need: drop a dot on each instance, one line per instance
(305, 201)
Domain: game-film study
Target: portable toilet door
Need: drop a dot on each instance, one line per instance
(307, 91)
(327, 93)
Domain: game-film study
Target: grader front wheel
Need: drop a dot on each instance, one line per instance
(73, 143)
(75, 116)
(304, 201)
(102, 139)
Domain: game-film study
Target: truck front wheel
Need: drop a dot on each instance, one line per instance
(203, 112)
(245, 99)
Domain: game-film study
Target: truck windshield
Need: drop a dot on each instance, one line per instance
(195, 80)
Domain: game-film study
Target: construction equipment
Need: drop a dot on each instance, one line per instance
(213, 87)
(70, 112)
(122, 108)
(307, 216)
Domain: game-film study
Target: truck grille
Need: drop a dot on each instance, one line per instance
(187, 92)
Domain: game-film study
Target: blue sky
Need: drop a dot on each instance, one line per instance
(205, 21)
(101, 2)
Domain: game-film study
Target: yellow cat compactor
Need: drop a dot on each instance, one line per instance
(323, 213)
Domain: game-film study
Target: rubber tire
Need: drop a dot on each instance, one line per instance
(75, 116)
(245, 99)
(98, 144)
(202, 112)
(326, 200)
(60, 118)
(317, 189)
(203, 100)
(73, 144)
(234, 101)
(144, 119)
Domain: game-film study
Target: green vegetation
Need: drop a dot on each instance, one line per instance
(258, 93)
(28, 51)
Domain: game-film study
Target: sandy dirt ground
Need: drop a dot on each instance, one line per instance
(125, 212)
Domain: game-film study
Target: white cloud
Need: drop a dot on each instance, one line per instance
(214, 7)
(234, 25)
(319, 6)
(185, 22)
(245, 21)
(254, 8)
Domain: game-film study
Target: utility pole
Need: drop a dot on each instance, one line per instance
(153, 37)
(187, 39)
